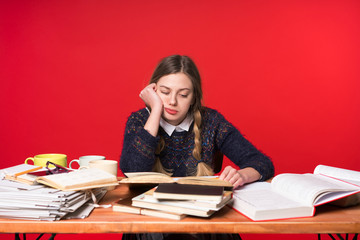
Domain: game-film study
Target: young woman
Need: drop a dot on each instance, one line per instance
(178, 136)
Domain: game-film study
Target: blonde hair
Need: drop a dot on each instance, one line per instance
(202, 168)
(175, 64)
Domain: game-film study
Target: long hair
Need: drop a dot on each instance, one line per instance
(183, 64)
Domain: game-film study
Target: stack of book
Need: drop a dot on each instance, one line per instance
(23, 197)
(38, 202)
(175, 201)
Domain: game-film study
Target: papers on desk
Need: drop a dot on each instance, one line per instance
(38, 202)
(10, 173)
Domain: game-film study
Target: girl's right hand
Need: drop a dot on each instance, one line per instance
(151, 98)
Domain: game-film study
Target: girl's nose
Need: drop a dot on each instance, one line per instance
(173, 100)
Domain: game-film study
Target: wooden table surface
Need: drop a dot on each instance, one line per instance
(328, 219)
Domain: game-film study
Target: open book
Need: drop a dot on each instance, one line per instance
(149, 178)
(295, 195)
(79, 180)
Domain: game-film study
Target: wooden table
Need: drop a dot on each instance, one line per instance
(328, 219)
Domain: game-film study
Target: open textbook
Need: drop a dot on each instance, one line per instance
(79, 180)
(71, 181)
(295, 195)
(134, 178)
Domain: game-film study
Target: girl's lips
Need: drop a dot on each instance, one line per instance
(170, 111)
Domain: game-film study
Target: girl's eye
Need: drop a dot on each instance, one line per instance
(165, 93)
(184, 95)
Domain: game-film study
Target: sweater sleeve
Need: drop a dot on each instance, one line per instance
(138, 152)
(240, 151)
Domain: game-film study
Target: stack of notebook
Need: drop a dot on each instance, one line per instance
(175, 201)
(20, 200)
(38, 202)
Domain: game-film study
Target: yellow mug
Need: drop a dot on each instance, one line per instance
(42, 159)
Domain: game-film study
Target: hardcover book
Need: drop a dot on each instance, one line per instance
(155, 204)
(206, 204)
(124, 205)
(188, 192)
(295, 195)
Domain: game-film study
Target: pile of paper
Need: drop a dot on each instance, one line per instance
(38, 202)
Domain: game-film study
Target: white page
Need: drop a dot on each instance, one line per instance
(345, 174)
(261, 196)
(135, 174)
(81, 177)
(305, 187)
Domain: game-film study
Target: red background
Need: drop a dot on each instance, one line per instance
(286, 73)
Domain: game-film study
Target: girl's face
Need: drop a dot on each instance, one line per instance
(176, 92)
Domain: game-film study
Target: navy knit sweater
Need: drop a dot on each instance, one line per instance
(217, 134)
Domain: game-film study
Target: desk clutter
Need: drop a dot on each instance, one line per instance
(39, 193)
(50, 191)
(38, 202)
(176, 201)
(287, 196)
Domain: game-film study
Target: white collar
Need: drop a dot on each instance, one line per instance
(183, 126)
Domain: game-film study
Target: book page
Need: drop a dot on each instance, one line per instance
(260, 196)
(79, 179)
(135, 174)
(146, 178)
(306, 188)
(341, 173)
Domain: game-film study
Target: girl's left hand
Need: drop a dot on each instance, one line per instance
(239, 177)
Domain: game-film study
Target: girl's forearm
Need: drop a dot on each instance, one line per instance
(153, 122)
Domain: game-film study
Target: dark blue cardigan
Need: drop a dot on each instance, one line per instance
(217, 134)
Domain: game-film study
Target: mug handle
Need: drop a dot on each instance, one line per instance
(75, 160)
(30, 158)
(84, 167)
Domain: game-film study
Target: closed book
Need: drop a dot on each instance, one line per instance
(155, 204)
(162, 214)
(189, 192)
(206, 204)
(124, 205)
(11, 173)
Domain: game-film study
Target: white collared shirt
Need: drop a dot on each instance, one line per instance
(183, 126)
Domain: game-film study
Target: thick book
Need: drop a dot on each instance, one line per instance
(124, 205)
(162, 214)
(148, 178)
(295, 195)
(206, 204)
(141, 202)
(189, 192)
(79, 180)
